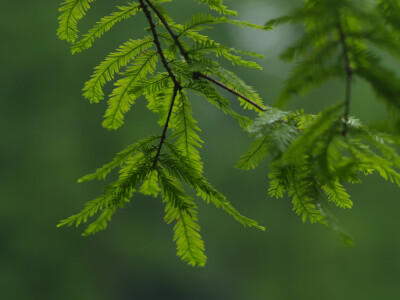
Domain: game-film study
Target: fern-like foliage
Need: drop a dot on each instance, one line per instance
(158, 165)
(340, 41)
(219, 7)
(104, 25)
(313, 158)
(312, 162)
(71, 12)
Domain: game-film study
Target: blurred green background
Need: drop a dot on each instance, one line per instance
(50, 137)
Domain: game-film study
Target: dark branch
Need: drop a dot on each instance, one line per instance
(185, 54)
(164, 134)
(177, 85)
(349, 75)
(231, 90)
(158, 45)
(170, 31)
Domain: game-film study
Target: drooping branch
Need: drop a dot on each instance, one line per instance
(164, 134)
(185, 54)
(349, 75)
(177, 85)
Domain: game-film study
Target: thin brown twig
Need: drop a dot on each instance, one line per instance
(158, 45)
(170, 31)
(177, 85)
(164, 134)
(231, 90)
(185, 54)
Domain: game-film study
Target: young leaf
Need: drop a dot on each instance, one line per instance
(104, 25)
(71, 12)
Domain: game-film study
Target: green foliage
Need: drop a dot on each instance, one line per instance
(187, 237)
(121, 99)
(313, 158)
(105, 24)
(71, 12)
(219, 7)
(155, 165)
(339, 32)
(111, 65)
(313, 162)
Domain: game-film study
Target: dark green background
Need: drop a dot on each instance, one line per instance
(50, 136)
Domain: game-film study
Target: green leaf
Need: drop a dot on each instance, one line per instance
(71, 12)
(121, 100)
(218, 6)
(337, 194)
(304, 196)
(101, 221)
(209, 46)
(257, 152)
(150, 186)
(182, 168)
(189, 243)
(311, 133)
(185, 131)
(118, 193)
(279, 181)
(234, 82)
(104, 25)
(215, 98)
(120, 159)
(111, 65)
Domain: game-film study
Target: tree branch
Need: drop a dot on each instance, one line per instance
(177, 85)
(158, 45)
(349, 74)
(170, 31)
(231, 90)
(185, 54)
(164, 134)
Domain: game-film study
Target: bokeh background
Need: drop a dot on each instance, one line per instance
(50, 136)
